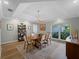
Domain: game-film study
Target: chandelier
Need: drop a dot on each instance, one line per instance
(39, 20)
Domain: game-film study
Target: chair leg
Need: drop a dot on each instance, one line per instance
(31, 47)
(40, 46)
(50, 41)
(47, 42)
(26, 48)
(24, 45)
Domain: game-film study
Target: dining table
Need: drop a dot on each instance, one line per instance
(36, 40)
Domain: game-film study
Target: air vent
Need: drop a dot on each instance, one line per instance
(10, 10)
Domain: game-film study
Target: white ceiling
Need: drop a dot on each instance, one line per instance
(12, 4)
(49, 10)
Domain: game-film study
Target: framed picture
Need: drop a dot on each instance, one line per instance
(10, 27)
(42, 27)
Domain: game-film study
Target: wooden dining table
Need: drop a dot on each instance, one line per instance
(36, 40)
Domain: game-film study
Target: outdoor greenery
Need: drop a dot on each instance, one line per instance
(64, 34)
(55, 34)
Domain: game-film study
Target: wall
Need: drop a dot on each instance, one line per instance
(0, 32)
(75, 25)
(74, 22)
(0, 25)
(0, 36)
(47, 27)
(0, 43)
(10, 36)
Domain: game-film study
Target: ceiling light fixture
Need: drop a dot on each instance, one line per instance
(38, 17)
(6, 2)
(75, 1)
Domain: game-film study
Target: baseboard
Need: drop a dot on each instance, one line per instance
(9, 42)
(59, 40)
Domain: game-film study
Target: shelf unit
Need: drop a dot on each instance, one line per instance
(21, 31)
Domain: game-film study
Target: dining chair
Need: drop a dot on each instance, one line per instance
(48, 38)
(43, 41)
(28, 43)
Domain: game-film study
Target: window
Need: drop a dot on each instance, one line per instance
(65, 31)
(61, 31)
(35, 28)
(55, 31)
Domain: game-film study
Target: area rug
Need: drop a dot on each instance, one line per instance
(55, 50)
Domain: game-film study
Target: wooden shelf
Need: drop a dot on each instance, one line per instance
(21, 31)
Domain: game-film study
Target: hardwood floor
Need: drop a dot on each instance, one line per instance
(0, 51)
(9, 51)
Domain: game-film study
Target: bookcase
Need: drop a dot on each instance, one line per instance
(21, 31)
